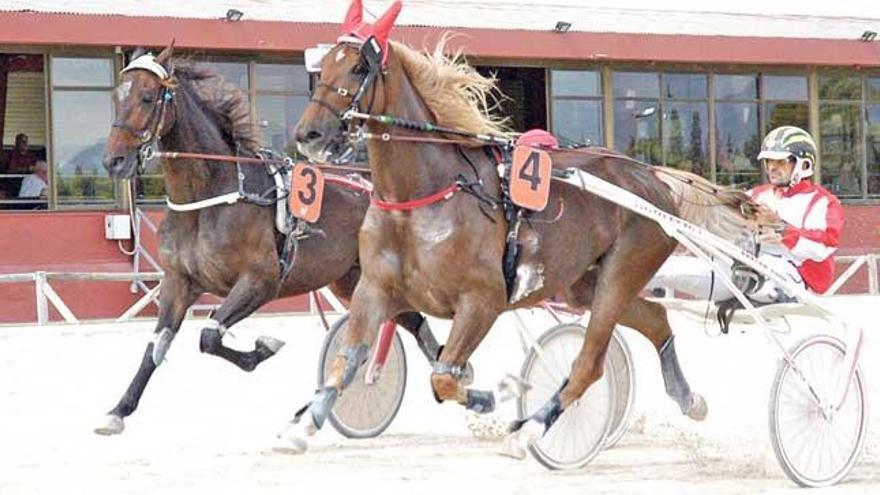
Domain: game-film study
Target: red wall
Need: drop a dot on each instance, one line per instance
(74, 241)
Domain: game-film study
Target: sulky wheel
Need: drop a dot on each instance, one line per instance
(579, 433)
(619, 358)
(816, 442)
(365, 410)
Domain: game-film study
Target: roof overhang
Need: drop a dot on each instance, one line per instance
(47, 29)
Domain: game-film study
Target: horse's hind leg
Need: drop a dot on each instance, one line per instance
(622, 273)
(650, 319)
(175, 298)
(248, 294)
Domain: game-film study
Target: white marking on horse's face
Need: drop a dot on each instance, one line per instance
(529, 279)
(123, 91)
(340, 55)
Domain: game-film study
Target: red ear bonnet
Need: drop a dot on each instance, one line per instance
(356, 27)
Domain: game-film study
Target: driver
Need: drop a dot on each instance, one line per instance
(811, 217)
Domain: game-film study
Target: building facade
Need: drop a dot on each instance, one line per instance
(690, 90)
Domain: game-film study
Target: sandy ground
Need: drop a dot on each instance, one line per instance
(205, 426)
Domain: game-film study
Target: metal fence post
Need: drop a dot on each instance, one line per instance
(42, 303)
(873, 285)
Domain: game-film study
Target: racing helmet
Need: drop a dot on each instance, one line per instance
(791, 143)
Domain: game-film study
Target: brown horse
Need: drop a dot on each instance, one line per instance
(445, 258)
(231, 250)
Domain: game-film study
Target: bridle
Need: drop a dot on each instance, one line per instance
(152, 130)
(371, 61)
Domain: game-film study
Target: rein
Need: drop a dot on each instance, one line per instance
(183, 155)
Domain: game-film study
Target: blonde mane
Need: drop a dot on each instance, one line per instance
(457, 95)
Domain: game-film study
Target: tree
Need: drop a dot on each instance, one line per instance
(675, 151)
(696, 154)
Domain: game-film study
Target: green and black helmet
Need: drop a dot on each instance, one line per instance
(789, 142)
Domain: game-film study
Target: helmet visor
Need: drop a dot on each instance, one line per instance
(773, 155)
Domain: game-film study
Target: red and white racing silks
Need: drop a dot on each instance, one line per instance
(814, 219)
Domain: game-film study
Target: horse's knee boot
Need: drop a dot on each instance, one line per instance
(210, 340)
(161, 343)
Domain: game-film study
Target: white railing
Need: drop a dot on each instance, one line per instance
(46, 295)
(856, 263)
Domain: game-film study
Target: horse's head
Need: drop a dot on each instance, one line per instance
(143, 108)
(349, 75)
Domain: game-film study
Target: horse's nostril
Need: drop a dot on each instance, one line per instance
(312, 136)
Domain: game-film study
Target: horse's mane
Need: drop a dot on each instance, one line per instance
(457, 95)
(224, 102)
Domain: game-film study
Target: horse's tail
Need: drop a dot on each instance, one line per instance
(726, 212)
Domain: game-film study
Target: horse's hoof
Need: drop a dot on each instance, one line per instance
(699, 409)
(291, 445)
(271, 344)
(295, 439)
(111, 424)
(516, 445)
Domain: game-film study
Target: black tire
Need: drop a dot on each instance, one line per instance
(851, 419)
(365, 411)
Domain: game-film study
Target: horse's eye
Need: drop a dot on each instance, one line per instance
(359, 69)
(148, 99)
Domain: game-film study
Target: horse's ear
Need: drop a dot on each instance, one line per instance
(164, 58)
(137, 53)
(384, 24)
(353, 17)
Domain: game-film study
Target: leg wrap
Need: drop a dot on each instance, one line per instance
(354, 357)
(480, 401)
(161, 342)
(323, 404)
(211, 339)
(427, 342)
(547, 415)
(676, 385)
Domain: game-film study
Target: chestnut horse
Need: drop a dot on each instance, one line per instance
(445, 258)
(231, 250)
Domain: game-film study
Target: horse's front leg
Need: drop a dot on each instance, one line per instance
(175, 298)
(249, 293)
(370, 307)
(474, 316)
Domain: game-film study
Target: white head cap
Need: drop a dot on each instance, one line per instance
(147, 62)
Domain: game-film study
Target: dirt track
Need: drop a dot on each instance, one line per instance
(205, 426)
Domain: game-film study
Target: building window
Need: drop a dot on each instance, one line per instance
(577, 106)
(840, 135)
(637, 115)
(872, 134)
(737, 134)
(81, 116)
(24, 177)
(686, 122)
(785, 101)
(282, 93)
